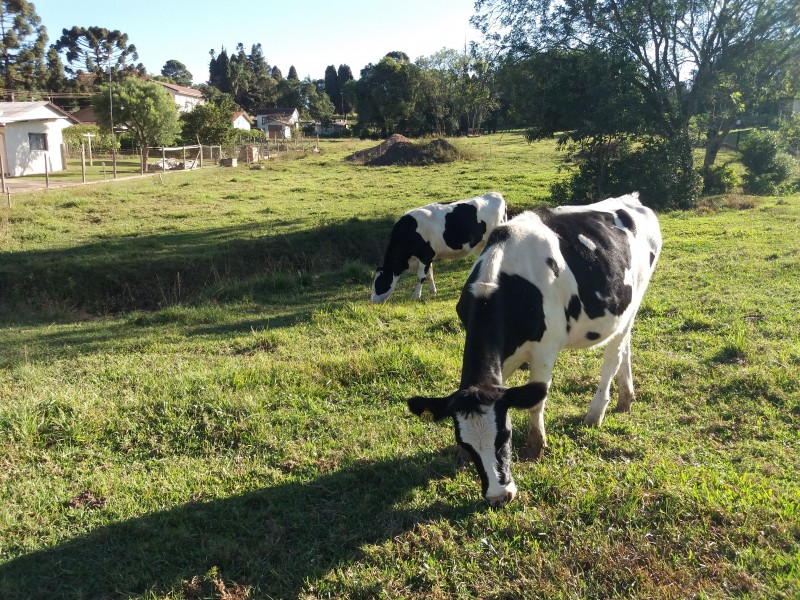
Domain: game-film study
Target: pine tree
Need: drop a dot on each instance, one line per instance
(22, 47)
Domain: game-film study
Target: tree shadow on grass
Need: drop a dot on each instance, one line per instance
(275, 539)
(149, 272)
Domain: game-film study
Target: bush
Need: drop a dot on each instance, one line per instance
(719, 179)
(658, 168)
(770, 169)
(790, 131)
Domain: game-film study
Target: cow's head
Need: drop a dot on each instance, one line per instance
(483, 429)
(383, 285)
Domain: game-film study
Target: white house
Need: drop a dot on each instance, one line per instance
(185, 98)
(241, 120)
(277, 122)
(31, 137)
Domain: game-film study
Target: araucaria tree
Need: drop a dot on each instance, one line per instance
(22, 47)
(144, 108)
(685, 53)
(97, 50)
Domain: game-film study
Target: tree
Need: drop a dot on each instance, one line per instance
(332, 85)
(98, 50)
(292, 74)
(219, 71)
(320, 107)
(144, 108)
(22, 47)
(177, 72)
(211, 122)
(387, 94)
(343, 76)
(683, 51)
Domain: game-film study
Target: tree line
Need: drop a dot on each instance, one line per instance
(629, 89)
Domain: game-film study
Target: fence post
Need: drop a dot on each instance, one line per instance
(83, 163)
(47, 169)
(3, 176)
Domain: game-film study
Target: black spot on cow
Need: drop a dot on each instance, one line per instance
(572, 310)
(626, 220)
(652, 258)
(553, 265)
(592, 335)
(497, 325)
(383, 281)
(404, 243)
(498, 235)
(600, 273)
(461, 226)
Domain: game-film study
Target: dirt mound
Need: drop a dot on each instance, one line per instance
(406, 153)
(363, 156)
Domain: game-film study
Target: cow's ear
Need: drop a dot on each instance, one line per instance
(432, 408)
(525, 396)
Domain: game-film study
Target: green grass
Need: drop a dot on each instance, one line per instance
(198, 401)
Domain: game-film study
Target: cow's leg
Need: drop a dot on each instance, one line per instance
(431, 283)
(625, 379)
(421, 275)
(537, 439)
(612, 359)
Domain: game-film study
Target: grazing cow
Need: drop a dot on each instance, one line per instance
(436, 231)
(571, 277)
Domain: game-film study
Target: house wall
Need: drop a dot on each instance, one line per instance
(24, 161)
(241, 123)
(184, 103)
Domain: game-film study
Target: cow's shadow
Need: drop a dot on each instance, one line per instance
(274, 539)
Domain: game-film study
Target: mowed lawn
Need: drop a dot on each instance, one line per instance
(197, 400)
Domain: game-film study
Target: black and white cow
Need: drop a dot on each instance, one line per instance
(570, 277)
(433, 232)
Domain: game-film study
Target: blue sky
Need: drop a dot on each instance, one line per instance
(309, 34)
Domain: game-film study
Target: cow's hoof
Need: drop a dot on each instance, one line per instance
(533, 453)
(624, 402)
(592, 421)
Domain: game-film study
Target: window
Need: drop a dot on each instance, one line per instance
(38, 141)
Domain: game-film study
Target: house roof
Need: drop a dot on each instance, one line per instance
(277, 113)
(182, 90)
(85, 115)
(241, 113)
(17, 112)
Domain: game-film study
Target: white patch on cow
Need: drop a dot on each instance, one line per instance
(480, 432)
(587, 242)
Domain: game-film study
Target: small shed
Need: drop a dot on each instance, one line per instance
(241, 120)
(277, 123)
(31, 137)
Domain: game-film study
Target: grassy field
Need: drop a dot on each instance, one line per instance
(198, 401)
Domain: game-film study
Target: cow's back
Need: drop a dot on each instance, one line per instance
(585, 270)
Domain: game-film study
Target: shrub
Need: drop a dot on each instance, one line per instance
(719, 179)
(790, 132)
(658, 168)
(770, 169)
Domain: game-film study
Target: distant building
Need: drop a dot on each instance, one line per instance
(85, 116)
(277, 123)
(185, 98)
(31, 137)
(241, 120)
